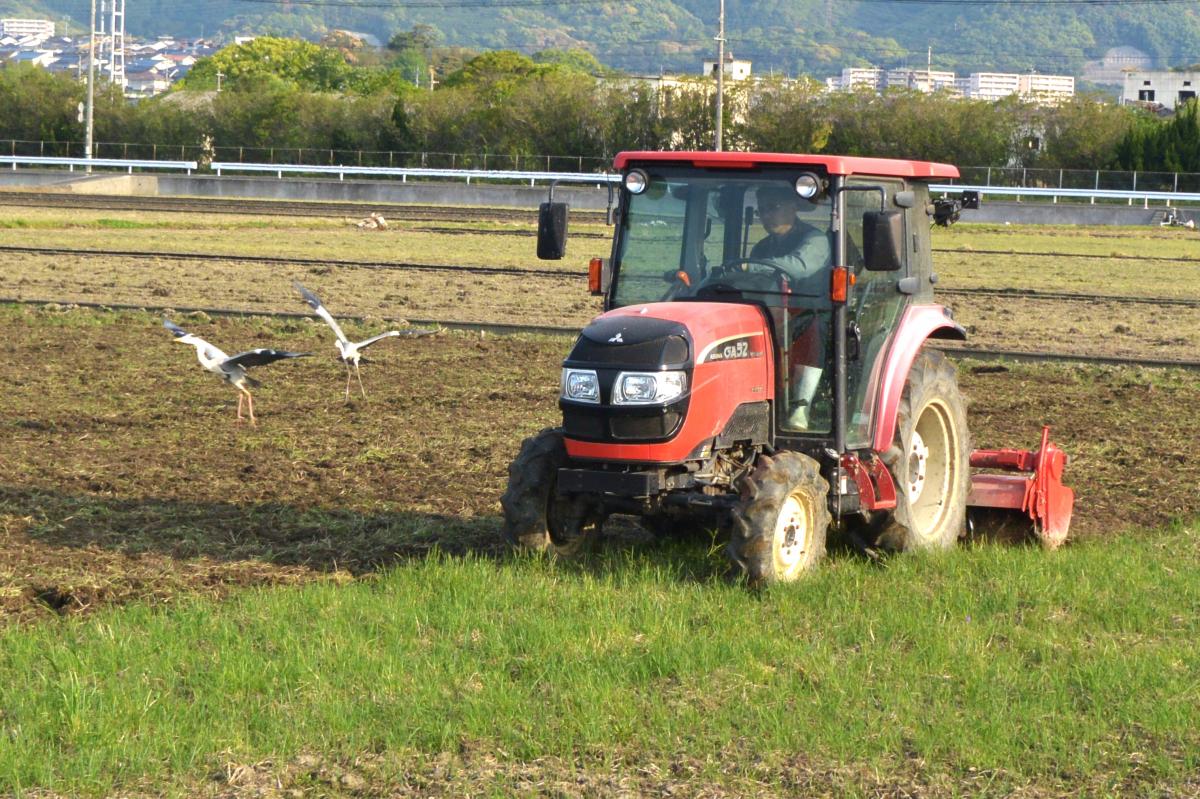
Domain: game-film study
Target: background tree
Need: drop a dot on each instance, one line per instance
(303, 64)
(1083, 133)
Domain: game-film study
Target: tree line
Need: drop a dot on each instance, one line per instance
(341, 98)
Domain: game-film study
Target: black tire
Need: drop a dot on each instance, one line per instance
(535, 517)
(929, 460)
(778, 527)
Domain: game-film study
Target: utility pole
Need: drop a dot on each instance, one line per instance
(720, 75)
(91, 89)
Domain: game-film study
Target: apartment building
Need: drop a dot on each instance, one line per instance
(20, 28)
(990, 85)
(923, 80)
(1047, 88)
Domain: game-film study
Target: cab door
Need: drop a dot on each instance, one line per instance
(876, 302)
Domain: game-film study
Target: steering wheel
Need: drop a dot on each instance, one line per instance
(723, 276)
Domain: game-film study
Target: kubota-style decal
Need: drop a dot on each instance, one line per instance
(732, 348)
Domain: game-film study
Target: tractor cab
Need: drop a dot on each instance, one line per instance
(771, 236)
(761, 366)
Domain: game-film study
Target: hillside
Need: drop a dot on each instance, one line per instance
(791, 36)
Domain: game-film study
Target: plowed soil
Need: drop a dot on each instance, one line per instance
(124, 474)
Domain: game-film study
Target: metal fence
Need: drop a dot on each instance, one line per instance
(1083, 179)
(1010, 177)
(310, 156)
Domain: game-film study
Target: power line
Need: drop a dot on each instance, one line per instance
(405, 4)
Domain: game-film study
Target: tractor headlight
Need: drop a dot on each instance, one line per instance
(636, 181)
(648, 388)
(580, 385)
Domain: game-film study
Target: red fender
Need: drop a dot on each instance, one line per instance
(918, 324)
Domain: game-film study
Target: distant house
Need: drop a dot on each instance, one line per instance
(145, 84)
(1160, 88)
(38, 58)
(735, 68)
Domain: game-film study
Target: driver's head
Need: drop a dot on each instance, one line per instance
(777, 208)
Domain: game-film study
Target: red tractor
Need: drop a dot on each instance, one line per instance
(767, 372)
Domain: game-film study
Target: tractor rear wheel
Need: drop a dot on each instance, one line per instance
(535, 516)
(929, 460)
(779, 526)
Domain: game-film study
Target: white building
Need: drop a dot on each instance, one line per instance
(1047, 89)
(1168, 89)
(146, 84)
(41, 28)
(990, 85)
(865, 77)
(923, 80)
(735, 68)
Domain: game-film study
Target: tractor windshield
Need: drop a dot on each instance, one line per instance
(718, 236)
(740, 236)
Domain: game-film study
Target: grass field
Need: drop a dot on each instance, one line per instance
(320, 606)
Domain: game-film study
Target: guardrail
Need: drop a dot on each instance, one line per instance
(598, 178)
(601, 179)
(1055, 193)
(71, 163)
(595, 178)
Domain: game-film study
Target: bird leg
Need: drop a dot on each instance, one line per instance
(241, 398)
(360, 385)
(347, 381)
(250, 402)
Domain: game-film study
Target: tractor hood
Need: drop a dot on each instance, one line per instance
(722, 349)
(705, 324)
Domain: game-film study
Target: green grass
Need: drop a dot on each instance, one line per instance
(1071, 671)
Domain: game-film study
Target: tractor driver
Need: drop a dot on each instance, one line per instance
(804, 252)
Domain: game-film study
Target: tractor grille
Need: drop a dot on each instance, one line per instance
(603, 424)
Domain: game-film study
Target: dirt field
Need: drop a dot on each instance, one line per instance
(125, 475)
(1009, 322)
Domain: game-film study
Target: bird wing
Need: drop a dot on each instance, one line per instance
(206, 352)
(362, 344)
(315, 303)
(415, 332)
(175, 329)
(259, 357)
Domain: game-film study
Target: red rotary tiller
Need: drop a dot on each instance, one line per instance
(1039, 494)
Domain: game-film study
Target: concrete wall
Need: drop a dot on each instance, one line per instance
(24, 178)
(1041, 213)
(379, 191)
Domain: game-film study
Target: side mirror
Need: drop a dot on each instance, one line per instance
(552, 231)
(883, 240)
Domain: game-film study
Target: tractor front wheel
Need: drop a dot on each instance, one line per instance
(929, 460)
(779, 525)
(535, 516)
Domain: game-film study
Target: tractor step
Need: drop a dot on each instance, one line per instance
(1038, 495)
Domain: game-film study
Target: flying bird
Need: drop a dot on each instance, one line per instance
(231, 369)
(350, 352)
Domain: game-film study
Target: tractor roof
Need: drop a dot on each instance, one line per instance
(833, 164)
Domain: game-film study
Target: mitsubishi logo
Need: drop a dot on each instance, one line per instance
(616, 339)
